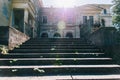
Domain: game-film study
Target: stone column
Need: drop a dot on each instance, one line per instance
(25, 18)
(77, 32)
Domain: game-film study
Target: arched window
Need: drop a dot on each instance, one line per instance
(57, 35)
(69, 35)
(44, 35)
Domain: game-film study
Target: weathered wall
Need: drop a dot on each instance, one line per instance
(105, 39)
(4, 35)
(16, 38)
(116, 51)
(5, 10)
(116, 48)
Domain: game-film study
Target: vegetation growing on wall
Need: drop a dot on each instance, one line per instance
(116, 13)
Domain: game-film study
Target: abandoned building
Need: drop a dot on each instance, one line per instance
(51, 43)
(19, 20)
(73, 19)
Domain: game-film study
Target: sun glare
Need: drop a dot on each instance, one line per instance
(64, 3)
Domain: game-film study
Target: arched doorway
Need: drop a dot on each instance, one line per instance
(44, 35)
(69, 35)
(57, 35)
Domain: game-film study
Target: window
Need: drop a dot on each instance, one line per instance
(91, 18)
(105, 11)
(44, 19)
(84, 19)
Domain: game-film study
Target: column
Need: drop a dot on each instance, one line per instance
(25, 18)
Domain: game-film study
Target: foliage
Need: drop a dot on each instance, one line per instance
(116, 12)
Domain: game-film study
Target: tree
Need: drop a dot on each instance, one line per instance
(116, 13)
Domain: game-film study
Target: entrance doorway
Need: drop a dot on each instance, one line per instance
(57, 35)
(69, 35)
(44, 35)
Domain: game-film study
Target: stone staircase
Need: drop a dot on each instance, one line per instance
(76, 58)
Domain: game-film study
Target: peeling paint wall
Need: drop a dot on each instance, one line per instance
(5, 10)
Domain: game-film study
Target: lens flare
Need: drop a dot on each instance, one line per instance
(61, 25)
(64, 3)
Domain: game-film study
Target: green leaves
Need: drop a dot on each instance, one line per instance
(116, 11)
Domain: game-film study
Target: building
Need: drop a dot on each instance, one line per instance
(22, 19)
(26, 22)
(19, 19)
(71, 22)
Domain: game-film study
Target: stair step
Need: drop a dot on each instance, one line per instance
(55, 50)
(58, 59)
(66, 77)
(58, 47)
(57, 55)
(52, 57)
(64, 66)
(54, 61)
(43, 44)
(57, 70)
(56, 42)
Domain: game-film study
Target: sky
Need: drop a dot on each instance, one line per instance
(73, 3)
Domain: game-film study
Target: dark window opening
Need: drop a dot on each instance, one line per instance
(44, 35)
(44, 19)
(103, 22)
(105, 11)
(18, 19)
(84, 19)
(91, 18)
(69, 35)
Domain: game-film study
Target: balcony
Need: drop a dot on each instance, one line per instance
(106, 15)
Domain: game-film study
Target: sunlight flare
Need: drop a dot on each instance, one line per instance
(65, 3)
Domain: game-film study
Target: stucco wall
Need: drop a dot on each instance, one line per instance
(5, 10)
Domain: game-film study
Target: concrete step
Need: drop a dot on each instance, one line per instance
(54, 61)
(56, 42)
(60, 70)
(55, 55)
(52, 57)
(43, 44)
(66, 77)
(58, 47)
(55, 50)
(60, 39)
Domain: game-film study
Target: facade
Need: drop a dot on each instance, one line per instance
(26, 22)
(68, 22)
(19, 21)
